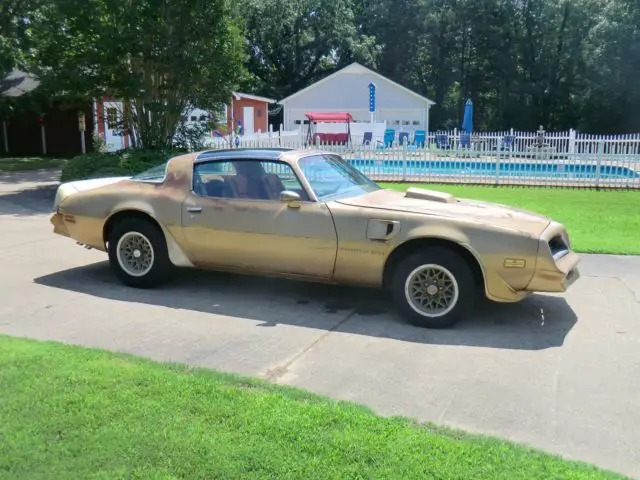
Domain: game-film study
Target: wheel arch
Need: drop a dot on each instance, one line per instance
(177, 256)
(119, 215)
(415, 244)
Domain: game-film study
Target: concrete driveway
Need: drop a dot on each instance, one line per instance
(561, 373)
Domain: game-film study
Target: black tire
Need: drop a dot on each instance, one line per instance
(161, 267)
(461, 272)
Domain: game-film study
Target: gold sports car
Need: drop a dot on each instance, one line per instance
(308, 214)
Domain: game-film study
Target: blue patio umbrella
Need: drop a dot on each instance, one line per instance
(467, 121)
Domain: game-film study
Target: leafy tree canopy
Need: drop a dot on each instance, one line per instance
(292, 43)
(524, 63)
(160, 56)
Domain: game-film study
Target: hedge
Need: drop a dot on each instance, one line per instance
(113, 164)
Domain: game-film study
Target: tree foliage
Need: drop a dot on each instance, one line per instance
(292, 43)
(159, 56)
(557, 63)
(14, 33)
(524, 63)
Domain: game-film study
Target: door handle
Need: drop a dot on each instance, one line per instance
(194, 209)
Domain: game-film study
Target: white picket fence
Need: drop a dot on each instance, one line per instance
(570, 141)
(598, 162)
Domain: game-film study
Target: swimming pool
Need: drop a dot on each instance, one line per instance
(455, 167)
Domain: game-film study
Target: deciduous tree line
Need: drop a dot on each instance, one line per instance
(524, 63)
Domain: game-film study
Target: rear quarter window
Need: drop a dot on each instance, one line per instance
(154, 174)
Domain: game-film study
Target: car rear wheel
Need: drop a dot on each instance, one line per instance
(434, 288)
(138, 253)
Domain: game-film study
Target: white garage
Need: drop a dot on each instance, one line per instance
(347, 90)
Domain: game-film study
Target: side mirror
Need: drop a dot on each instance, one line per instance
(292, 199)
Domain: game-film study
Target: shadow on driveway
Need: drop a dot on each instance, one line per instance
(538, 322)
(47, 175)
(27, 202)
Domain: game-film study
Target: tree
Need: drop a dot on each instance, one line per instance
(14, 35)
(524, 63)
(159, 56)
(610, 99)
(293, 43)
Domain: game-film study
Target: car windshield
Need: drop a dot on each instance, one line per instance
(154, 174)
(332, 178)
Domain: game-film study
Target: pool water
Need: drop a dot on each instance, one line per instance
(506, 169)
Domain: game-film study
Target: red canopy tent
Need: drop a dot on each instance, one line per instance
(330, 117)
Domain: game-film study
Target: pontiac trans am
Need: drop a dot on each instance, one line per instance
(310, 215)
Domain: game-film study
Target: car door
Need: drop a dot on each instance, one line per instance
(236, 220)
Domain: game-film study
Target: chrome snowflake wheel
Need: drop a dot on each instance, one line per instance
(431, 290)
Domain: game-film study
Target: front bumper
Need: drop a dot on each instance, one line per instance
(555, 276)
(555, 270)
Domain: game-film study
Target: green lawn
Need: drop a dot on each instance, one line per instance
(68, 412)
(20, 164)
(605, 221)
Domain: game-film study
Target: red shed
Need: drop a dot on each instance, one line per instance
(249, 111)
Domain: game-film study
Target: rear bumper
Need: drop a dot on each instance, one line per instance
(57, 220)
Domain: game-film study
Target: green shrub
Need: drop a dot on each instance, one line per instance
(113, 164)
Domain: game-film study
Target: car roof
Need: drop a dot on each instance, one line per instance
(241, 153)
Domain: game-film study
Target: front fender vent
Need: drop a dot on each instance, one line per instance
(382, 230)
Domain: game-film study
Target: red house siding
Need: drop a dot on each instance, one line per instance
(100, 116)
(260, 114)
(101, 120)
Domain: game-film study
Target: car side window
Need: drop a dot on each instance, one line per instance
(245, 179)
(279, 177)
(212, 179)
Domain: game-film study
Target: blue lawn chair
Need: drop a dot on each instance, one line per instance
(507, 142)
(420, 138)
(368, 137)
(403, 137)
(442, 141)
(389, 135)
(465, 140)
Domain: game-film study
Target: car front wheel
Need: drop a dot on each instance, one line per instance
(138, 253)
(434, 288)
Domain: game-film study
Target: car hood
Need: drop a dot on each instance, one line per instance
(438, 204)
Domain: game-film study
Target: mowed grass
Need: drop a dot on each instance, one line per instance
(604, 221)
(68, 412)
(20, 164)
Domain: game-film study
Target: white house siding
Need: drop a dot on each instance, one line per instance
(196, 115)
(348, 91)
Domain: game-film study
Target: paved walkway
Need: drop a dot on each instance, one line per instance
(561, 373)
